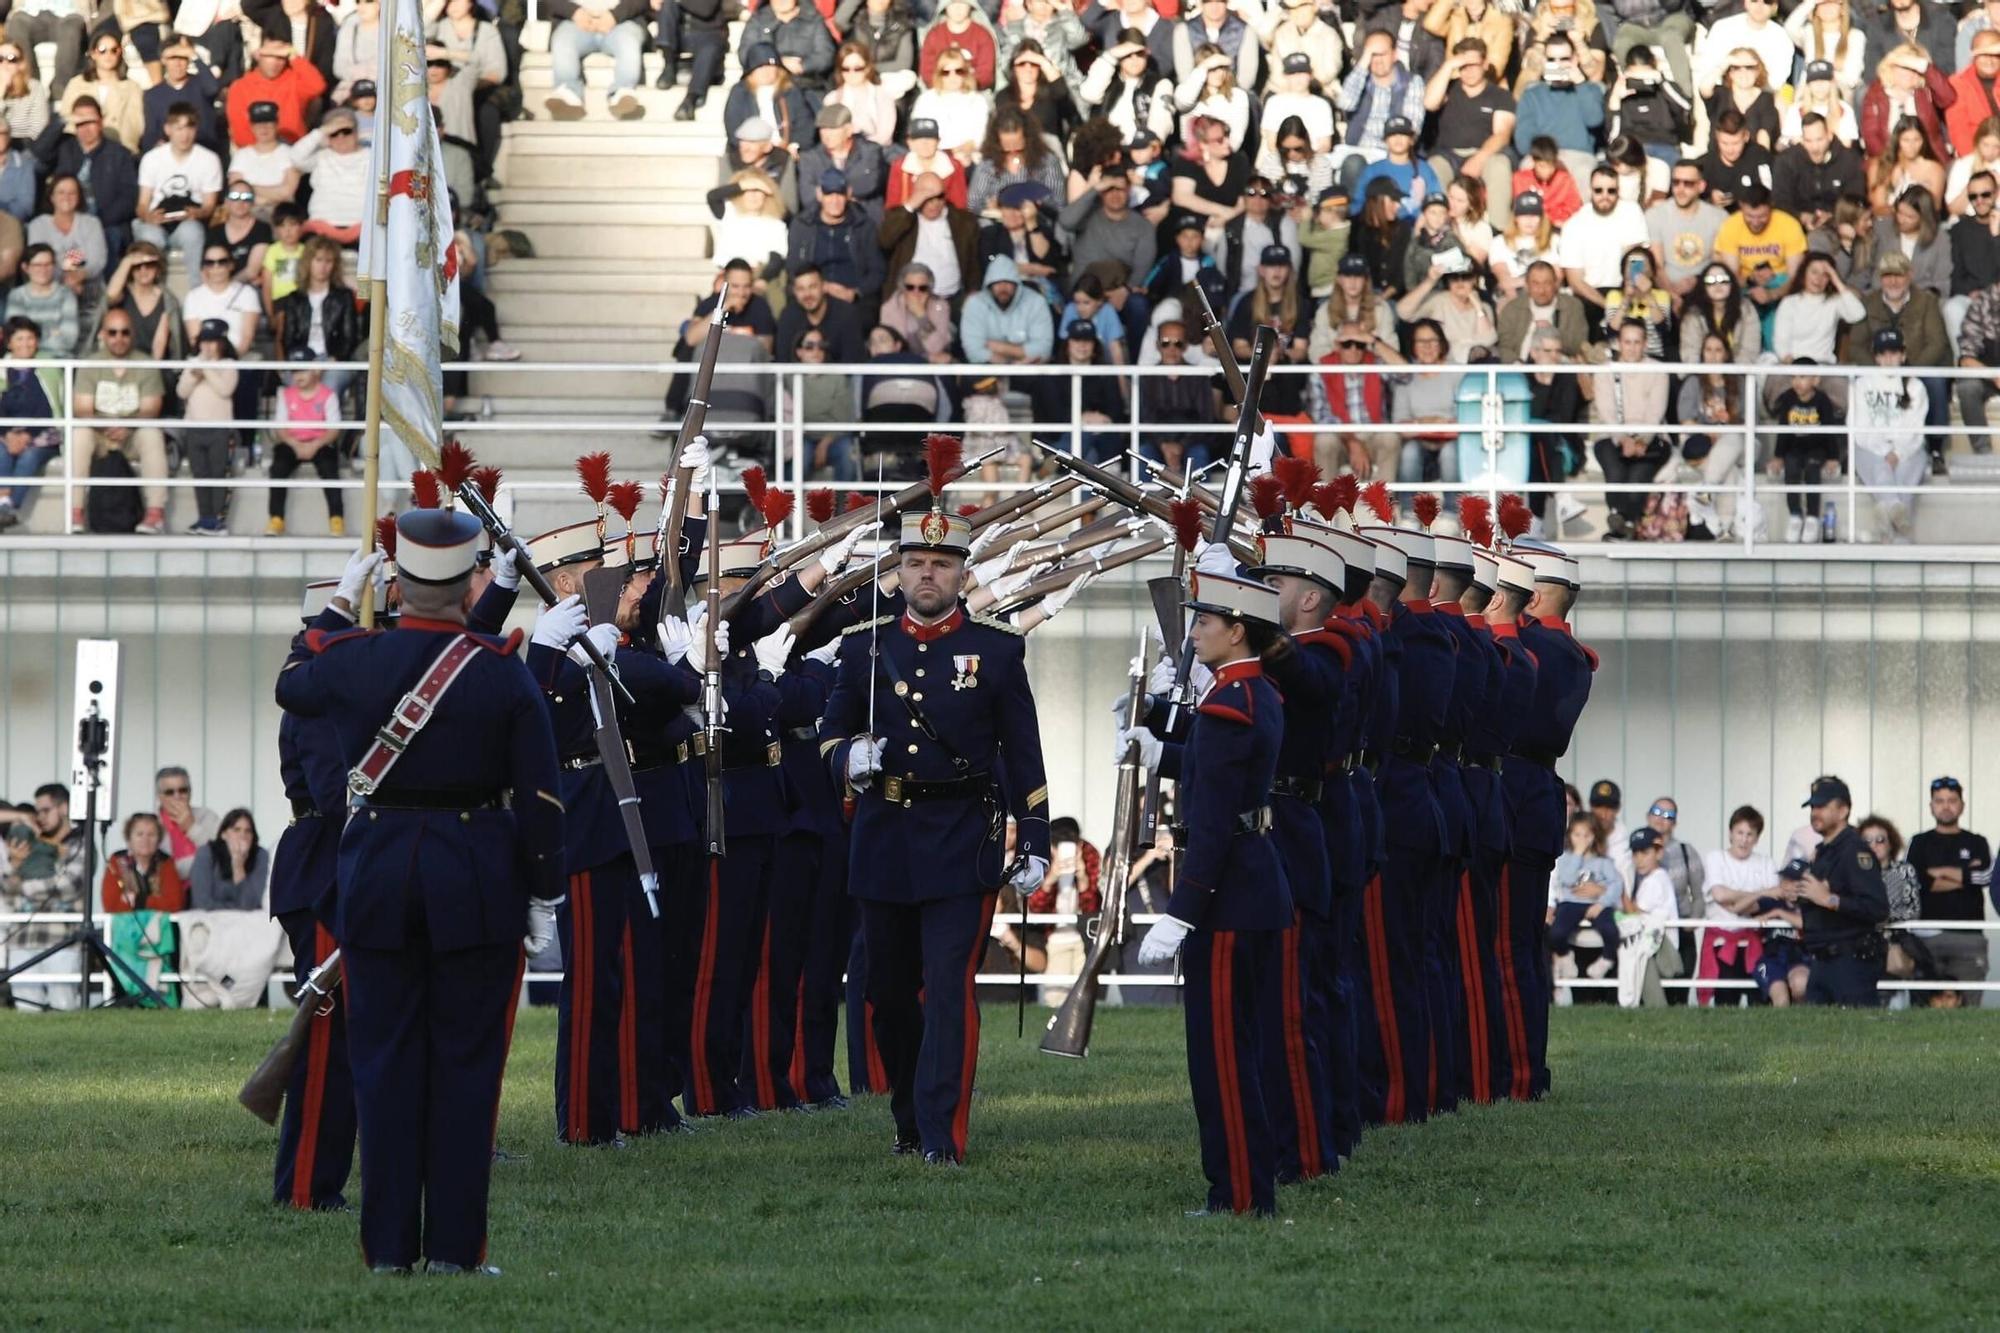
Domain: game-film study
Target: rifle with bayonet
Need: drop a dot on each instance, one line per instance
(711, 685)
(1132, 496)
(1058, 579)
(674, 600)
(1028, 531)
(601, 589)
(1217, 339)
(263, 1093)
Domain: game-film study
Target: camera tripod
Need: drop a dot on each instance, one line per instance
(128, 989)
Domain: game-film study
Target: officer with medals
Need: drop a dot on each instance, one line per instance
(1230, 905)
(1513, 912)
(927, 706)
(455, 828)
(1563, 669)
(1842, 904)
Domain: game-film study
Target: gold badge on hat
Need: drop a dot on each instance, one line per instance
(967, 665)
(934, 528)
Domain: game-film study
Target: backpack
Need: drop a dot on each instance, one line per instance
(112, 508)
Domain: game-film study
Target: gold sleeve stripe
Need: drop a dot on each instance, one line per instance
(552, 800)
(826, 747)
(1039, 796)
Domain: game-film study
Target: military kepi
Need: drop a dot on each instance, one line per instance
(1239, 599)
(436, 546)
(934, 529)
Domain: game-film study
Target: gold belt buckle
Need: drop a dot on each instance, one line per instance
(774, 754)
(892, 791)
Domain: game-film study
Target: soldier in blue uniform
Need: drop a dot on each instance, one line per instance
(1562, 686)
(452, 847)
(1231, 904)
(1842, 904)
(1452, 929)
(1516, 983)
(926, 706)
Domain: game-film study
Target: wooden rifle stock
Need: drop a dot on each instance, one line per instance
(674, 599)
(1058, 579)
(263, 1093)
(1217, 339)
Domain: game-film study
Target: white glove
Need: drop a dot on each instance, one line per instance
(1003, 588)
(542, 923)
(1150, 746)
(363, 568)
(505, 572)
(1215, 558)
(696, 456)
(864, 761)
(1200, 678)
(1161, 681)
(1053, 604)
(834, 556)
(1030, 876)
(826, 652)
(774, 650)
(604, 636)
(693, 713)
(698, 650)
(986, 571)
(985, 538)
(675, 639)
(557, 626)
(1163, 941)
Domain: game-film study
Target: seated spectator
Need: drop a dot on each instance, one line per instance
(1001, 325)
(1379, 88)
(824, 398)
(1826, 35)
(1292, 98)
(231, 872)
(957, 109)
(1974, 240)
(341, 188)
(1953, 867)
(238, 227)
(284, 255)
(281, 77)
(180, 183)
(1576, 19)
(1428, 398)
(883, 26)
(477, 63)
(17, 197)
(30, 23)
(925, 158)
(1432, 240)
(1809, 178)
(1475, 120)
(1037, 85)
(1974, 84)
(184, 825)
(1587, 889)
(1541, 305)
(1631, 404)
(1087, 305)
(265, 164)
(1756, 29)
(1899, 881)
(43, 875)
(1528, 239)
(928, 228)
(1813, 314)
(1594, 241)
(48, 303)
(117, 97)
(1295, 26)
(814, 307)
(1126, 87)
(1641, 300)
(602, 27)
(1906, 169)
(1885, 427)
(1274, 303)
(1911, 226)
(184, 79)
(1652, 112)
(1105, 226)
(322, 315)
(1650, 948)
(305, 401)
(1014, 154)
(1917, 317)
(1745, 88)
(1734, 164)
(1419, 49)
(1564, 107)
(960, 26)
(1356, 404)
(753, 146)
(1979, 346)
(1543, 175)
(77, 239)
(1409, 181)
(857, 159)
(1740, 886)
(1762, 245)
(1380, 237)
(1555, 398)
(1850, 240)
(1292, 161)
(1642, 179)
(1800, 454)
(1818, 95)
(1324, 231)
(1208, 91)
(1713, 402)
(207, 391)
(135, 288)
(478, 316)
(1259, 227)
(919, 316)
(749, 224)
(1175, 402)
(1184, 264)
(1908, 80)
(1459, 20)
(858, 87)
(1100, 398)
(141, 888)
(221, 296)
(903, 394)
(34, 393)
(1457, 307)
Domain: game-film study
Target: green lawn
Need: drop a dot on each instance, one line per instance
(1782, 1170)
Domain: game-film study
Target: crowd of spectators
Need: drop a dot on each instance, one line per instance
(237, 151)
(1626, 886)
(1586, 189)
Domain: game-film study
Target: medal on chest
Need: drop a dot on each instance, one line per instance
(967, 667)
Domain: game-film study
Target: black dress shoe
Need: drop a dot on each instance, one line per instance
(687, 108)
(832, 1102)
(666, 79)
(902, 1147)
(745, 1113)
(937, 1158)
(436, 1269)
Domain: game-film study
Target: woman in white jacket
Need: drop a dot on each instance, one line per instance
(1210, 90)
(1810, 315)
(1885, 422)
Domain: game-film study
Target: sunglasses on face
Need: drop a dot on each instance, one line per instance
(1598, 189)
(1945, 784)
(1165, 343)
(1359, 344)
(855, 69)
(10, 57)
(1979, 196)
(146, 263)
(943, 71)
(1875, 839)
(916, 286)
(118, 333)
(812, 347)
(1662, 812)
(218, 261)
(240, 196)
(341, 133)
(173, 791)
(109, 50)
(1717, 281)
(1743, 69)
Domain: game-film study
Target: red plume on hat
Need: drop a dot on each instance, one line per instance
(425, 492)
(1187, 522)
(1426, 507)
(967, 510)
(1475, 513)
(755, 487)
(624, 498)
(1376, 497)
(819, 504)
(1515, 516)
(777, 507)
(593, 474)
(455, 464)
(1267, 495)
(942, 455)
(385, 535)
(1296, 475)
(858, 500)
(487, 479)
(1326, 499)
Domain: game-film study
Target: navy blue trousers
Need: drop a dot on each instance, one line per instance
(865, 1070)
(1343, 1073)
(795, 1002)
(1293, 1008)
(1479, 974)
(820, 981)
(1224, 992)
(1443, 989)
(728, 937)
(316, 1135)
(923, 965)
(1395, 1031)
(428, 1033)
(1526, 988)
(612, 954)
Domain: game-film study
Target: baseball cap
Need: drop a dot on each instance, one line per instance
(754, 130)
(833, 181)
(833, 116)
(1528, 204)
(362, 88)
(1143, 139)
(1755, 195)
(921, 129)
(1645, 840)
(263, 113)
(1605, 792)
(760, 55)
(1190, 222)
(1329, 194)
(213, 330)
(1275, 254)
(1830, 789)
(1080, 330)
(1298, 62)
(1398, 125)
(1796, 868)
(337, 113)
(1353, 265)
(1822, 70)
(1110, 273)
(296, 354)
(1888, 340)
(1022, 193)
(1895, 261)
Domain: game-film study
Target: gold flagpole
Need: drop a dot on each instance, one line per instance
(378, 296)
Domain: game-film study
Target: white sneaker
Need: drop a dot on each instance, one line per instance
(563, 104)
(1600, 969)
(1568, 507)
(1795, 528)
(498, 350)
(1812, 533)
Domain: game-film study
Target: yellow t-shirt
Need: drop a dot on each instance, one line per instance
(1781, 244)
(282, 263)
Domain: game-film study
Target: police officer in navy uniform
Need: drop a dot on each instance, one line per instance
(1842, 904)
(947, 695)
(453, 845)
(1230, 904)
(316, 1135)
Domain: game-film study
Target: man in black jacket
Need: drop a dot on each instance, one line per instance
(1975, 249)
(856, 156)
(837, 240)
(112, 194)
(800, 37)
(1809, 178)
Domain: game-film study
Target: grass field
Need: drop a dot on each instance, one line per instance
(1702, 1170)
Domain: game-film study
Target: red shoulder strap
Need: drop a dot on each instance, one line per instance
(1327, 638)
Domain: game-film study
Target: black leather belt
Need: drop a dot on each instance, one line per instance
(1417, 752)
(303, 809)
(1304, 789)
(746, 753)
(1492, 762)
(640, 757)
(1866, 948)
(1254, 823)
(907, 792)
(802, 733)
(1546, 758)
(442, 798)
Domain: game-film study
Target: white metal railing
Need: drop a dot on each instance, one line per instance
(792, 435)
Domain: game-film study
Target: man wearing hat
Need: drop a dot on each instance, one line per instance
(280, 76)
(926, 708)
(1563, 669)
(1842, 904)
(800, 38)
(835, 239)
(1911, 309)
(1475, 124)
(454, 829)
(583, 28)
(1231, 903)
(1106, 227)
(1542, 304)
(1399, 175)
(755, 146)
(1381, 86)
(864, 172)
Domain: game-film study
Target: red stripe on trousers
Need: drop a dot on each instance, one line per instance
(878, 1074)
(628, 1039)
(760, 1025)
(1475, 992)
(1519, 1075)
(321, 1042)
(1295, 1055)
(506, 1047)
(1223, 997)
(704, 985)
(1385, 1002)
(583, 980)
(969, 1058)
(796, 1071)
